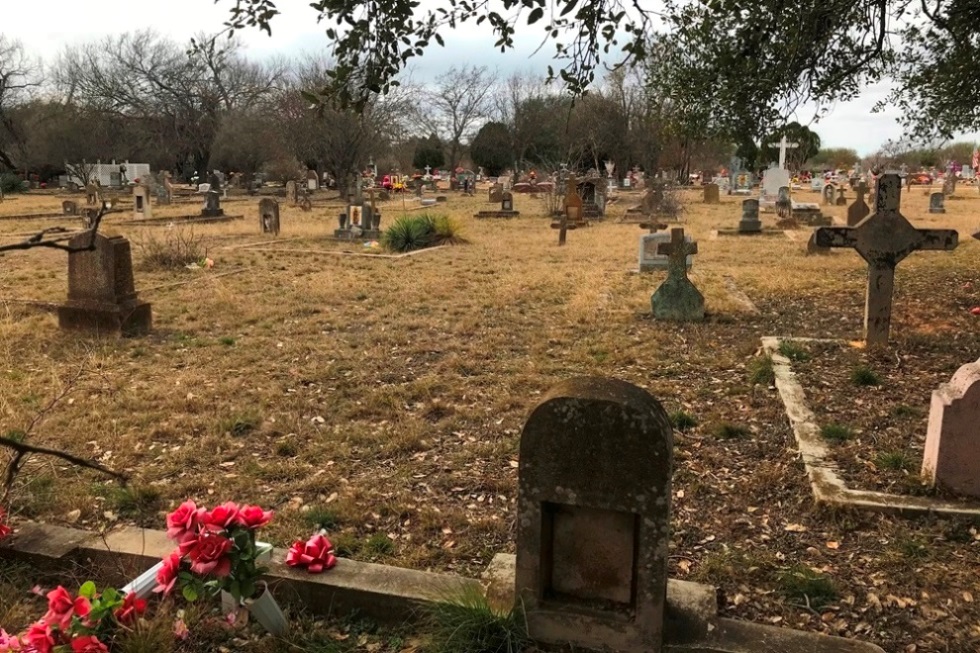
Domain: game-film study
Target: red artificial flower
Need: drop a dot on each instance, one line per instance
(253, 517)
(167, 574)
(8, 642)
(316, 554)
(61, 607)
(208, 553)
(131, 608)
(222, 517)
(88, 644)
(182, 522)
(4, 526)
(39, 638)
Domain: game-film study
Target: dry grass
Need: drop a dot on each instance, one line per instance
(388, 395)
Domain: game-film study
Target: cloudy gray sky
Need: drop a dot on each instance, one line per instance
(65, 22)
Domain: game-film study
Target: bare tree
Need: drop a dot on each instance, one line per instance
(19, 76)
(460, 99)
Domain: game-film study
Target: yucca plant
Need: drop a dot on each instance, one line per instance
(408, 233)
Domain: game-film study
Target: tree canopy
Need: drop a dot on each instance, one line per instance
(753, 62)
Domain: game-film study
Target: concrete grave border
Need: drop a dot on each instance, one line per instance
(393, 595)
(827, 486)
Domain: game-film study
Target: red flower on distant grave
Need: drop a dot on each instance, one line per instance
(316, 554)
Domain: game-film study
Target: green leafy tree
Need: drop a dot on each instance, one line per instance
(807, 141)
(490, 148)
(764, 58)
(429, 153)
(833, 158)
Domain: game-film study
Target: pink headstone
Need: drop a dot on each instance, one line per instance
(952, 455)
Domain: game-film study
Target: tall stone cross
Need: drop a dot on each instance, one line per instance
(883, 240)
(783, 144)
(677, 251)
(427, 169)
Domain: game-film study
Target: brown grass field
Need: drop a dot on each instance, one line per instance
(384, 398)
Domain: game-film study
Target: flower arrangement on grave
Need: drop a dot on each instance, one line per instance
(216, 551)
(315, 555)
(81, 623)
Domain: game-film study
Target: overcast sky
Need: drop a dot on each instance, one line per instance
(65, 22)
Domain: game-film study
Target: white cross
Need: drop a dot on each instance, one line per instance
(427, 169)
(783, 144)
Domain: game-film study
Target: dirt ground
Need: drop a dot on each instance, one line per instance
(383, 398)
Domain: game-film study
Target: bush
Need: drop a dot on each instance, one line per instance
(177, 249)
(413, 232)
(11, 184)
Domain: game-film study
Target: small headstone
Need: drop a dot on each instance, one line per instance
(949, 182)
(859, 210)
(951, 459)
(212, 205)
(937, 203)
(750, 222)
(593, 524)
(102, 296)
(269, 216)
(496, 193)
(773, 179)
(292, 193)
(841, 200)
(677, 298)
(784, 205)
(828, 194)
(507, 201)
(711, 194)
(68, 207)
(141, 202)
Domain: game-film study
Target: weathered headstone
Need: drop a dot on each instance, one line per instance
(141, 202)
(93, 194)
(841, 200)
(496, 193)
(773, 179)
(292, 193)
(711, 194)
(212, 205)
(594, 492)
(101, 292)
(650, 256)
(937, 203)
(884, 239)
(951, 459)
(750, 223)
(784, 205)
(507, 201)
(859, 210)
(949, 181)
(572, 216)
(828, 194)
(269, 216)
(677, 298)
(69, 207)
(813, 248)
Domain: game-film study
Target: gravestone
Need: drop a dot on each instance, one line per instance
(784, 205)
(951, 460)
(496, 193)
(141, 202)
(937, 203)
(572, 217)
(650, 256)
(859, 210)
(93, 192)
(773, 179)
(841, 200)
(711, 194)
(68, 207)
(212, 205)
(949, 181)
(102, 296)
(292, 193)
(269, 216)
(677, 299)
(312, 181)
(883, 240)
(828, 194)
(813, 248)
(507, 201)
(750, 223)
(594, 492)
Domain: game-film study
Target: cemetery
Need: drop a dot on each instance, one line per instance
(312, 360)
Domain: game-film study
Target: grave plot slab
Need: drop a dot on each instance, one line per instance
(824, 474)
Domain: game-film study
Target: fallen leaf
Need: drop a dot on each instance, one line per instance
(833, 545)
(795, 528)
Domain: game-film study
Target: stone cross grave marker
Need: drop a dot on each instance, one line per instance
(711, 194)
(650, 256)
(859, 210)
(102, 295)
(884, 239)
(573, 208)
(937, 203)
(841, 200)
(269, 216)
(677, 298)
(952, 455)
(783, 145)
(593, 526)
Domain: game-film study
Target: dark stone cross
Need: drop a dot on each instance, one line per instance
(677, 298)
(859, 209)
(883, 240)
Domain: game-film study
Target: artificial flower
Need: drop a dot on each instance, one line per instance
(208, 553)
(221, 518)
(180, 630)
(253, 517)
(62, 605)
(5, 529)
(88, 644)
(316, 554)
(167, 574)
(182, 522)
(131, 608)
(38, 638)
(8, 642)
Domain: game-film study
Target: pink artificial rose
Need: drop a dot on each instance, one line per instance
(316, 554)
(221, 518)
(208, 553)
(62, 605)
(253, 517)
(88, 644)
(39, 638)
(167, 574)
(8, 642)
(131, 609)
(182, 522)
